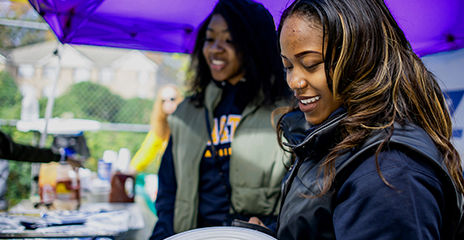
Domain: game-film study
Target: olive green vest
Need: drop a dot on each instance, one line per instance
(257, 163)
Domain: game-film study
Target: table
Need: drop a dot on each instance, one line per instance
(101, 221)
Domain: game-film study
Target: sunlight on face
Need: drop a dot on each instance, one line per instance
(301, 51)
(219, 52)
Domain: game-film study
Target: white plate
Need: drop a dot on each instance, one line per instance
(221, 233)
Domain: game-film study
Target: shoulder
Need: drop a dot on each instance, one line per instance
(185, 108)
(395, 165)
(413, 201)
(410, 148)
(185, 113)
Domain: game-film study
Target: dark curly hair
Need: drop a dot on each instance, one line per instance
(255, 39)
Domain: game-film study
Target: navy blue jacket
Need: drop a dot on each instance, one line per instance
(423, 203)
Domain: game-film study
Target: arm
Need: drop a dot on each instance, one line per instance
(366, 208)
(166, 196)
(151, 147)
(19, 152)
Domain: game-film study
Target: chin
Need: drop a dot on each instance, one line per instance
(313, 120)
(219, 79)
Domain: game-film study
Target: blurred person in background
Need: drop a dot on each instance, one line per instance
(155, 142)
(10, 150)
(223, 161)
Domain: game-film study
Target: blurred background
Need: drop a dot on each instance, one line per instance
(113, 86)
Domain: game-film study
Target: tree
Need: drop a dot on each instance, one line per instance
(11, 37)
(91, 101)
(10, 97)
(135, 110)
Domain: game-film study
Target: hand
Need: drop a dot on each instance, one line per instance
(256, 221)
(74, 162)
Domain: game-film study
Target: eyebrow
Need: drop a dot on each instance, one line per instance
(300, 54)
(212, 30)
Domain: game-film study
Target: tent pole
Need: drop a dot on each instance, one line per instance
(35, 167)
(51, 97)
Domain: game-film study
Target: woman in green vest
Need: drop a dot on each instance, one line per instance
(223, 161)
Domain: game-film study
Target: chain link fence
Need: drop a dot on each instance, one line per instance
(124, 120)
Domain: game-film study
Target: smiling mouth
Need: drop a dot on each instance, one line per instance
(217, 64)
(309, 100)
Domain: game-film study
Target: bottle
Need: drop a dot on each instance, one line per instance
(105, 165)
(47, 182)
(67, 187)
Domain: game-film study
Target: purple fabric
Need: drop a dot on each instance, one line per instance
(169, 25)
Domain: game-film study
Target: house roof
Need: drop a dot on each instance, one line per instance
(34, 53)
(135, 60)
(101, 57)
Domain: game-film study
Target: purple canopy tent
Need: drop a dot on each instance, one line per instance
(169, 26)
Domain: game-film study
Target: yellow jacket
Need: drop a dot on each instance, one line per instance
(151, 150)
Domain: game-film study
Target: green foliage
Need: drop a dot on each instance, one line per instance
(135, 110)
(42, 106)
(91, 101)
(19, 182)
(85, 100)
(9, 91)
(10, 97)
(11, 37)
(19, 178)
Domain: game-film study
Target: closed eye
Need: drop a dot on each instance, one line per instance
(312, 67)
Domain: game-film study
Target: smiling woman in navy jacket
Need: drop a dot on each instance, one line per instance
(371, 132)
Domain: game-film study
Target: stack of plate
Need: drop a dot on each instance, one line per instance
(221, 233)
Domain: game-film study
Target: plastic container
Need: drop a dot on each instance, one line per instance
(122, 188)
(47, 182)
(67, 188)
(99, 191)
(105, 165)
(123, 160)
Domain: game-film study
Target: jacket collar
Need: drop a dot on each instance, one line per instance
(303, 138)
(213, 95)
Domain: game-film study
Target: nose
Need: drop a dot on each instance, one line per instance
(217, 46)
(296, 82)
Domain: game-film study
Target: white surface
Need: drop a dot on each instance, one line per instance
(123, 160)
(221, 233)
(59, 125)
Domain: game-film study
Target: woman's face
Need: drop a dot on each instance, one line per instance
(301, 46)
(168, 100)
(220, 54)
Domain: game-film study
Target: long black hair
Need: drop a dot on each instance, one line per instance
(255, 39)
